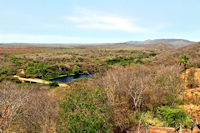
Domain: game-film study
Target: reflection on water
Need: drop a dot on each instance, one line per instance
(70, 78)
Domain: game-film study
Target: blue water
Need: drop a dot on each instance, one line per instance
(70, 78)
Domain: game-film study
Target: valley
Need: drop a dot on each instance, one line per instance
(135, 87)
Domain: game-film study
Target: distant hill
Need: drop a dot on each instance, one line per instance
(133, 42)
(30, 45)
(171, 42)
(162, 46)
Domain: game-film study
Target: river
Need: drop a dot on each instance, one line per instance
(70, 78)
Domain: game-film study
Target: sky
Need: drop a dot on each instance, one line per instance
(98, 21)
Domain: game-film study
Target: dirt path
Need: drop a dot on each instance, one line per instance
(39, 81)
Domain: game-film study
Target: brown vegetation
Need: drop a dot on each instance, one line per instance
(18, 50)
(30, 108)
(130, 89)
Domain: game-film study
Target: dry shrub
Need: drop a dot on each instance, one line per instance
(130, 89)
(30, 109)
(165, 86)
(191, 79)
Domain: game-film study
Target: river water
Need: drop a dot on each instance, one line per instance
(70, 78)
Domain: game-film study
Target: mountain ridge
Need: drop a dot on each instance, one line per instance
(171, 42)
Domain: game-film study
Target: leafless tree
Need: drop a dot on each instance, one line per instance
(15, 98)
(31, 109)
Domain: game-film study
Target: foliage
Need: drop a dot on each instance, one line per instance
(139, 61)
(4, 71)
(84, 110)
(80, 58)
(76, 70)
(54, 84)
(183, 60)
(150, 118)
(192, 65)
(14, 59)
(153, 54)
(30, 70)
(174, 116)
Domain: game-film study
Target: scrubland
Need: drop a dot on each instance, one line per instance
(132, 89)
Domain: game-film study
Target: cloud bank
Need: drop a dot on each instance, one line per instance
(97, 20)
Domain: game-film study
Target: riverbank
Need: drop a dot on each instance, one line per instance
(38, 81)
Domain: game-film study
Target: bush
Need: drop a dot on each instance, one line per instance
(4, 71)
(81, 59)
(150, 119)
(174, 116)
(139, 60)
(54, 84)
(2, 78)
(17, 63)
(76, 70)
(153, 54)
(192, 65)
(30, 70)
(84, 110)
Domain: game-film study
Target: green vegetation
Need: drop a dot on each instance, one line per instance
(53, 84)
(125, 61)
(4, 71)
(84, 110)
(76, 70)
(128, 82)
(183, 61)
(174, 116)
(192, 65)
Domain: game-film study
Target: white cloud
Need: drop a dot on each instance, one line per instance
(52, 39)
(31, 38)
(97, 20)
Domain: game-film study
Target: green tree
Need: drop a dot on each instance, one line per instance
(76, 70)
(183, 61)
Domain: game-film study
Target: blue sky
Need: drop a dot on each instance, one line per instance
(98, 21)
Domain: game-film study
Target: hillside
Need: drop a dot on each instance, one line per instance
(172, 56)
(163, 46)
(173, 42)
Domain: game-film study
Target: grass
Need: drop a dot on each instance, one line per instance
(60, 76)
(77, 79)
(149, 118)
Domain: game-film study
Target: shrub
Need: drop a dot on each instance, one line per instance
(35, 61)
(76, 70)
(4, 71)
(30, 70)
(84, 110)
(39, 65)
(153, 54)
(174, 116)
(54, 84)
(17, 63)
(139, 61)
(149, 118)
(192, 65)
(1, 78)
(81, 59)
(14, 59)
